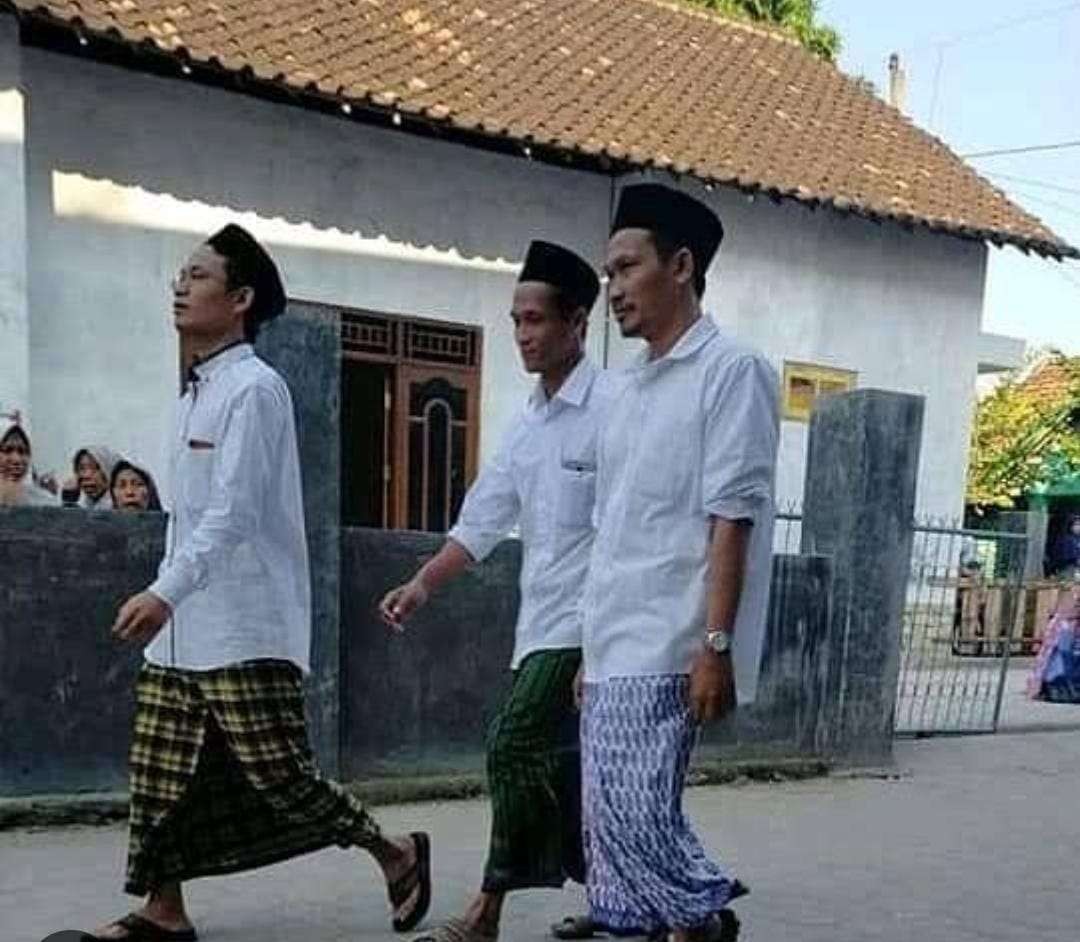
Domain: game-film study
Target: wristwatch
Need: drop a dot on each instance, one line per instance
(718, 640)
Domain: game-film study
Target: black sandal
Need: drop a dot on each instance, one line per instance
(402, 888)
(575, 927)
(583, 927)
(140, 929)
(721, 927)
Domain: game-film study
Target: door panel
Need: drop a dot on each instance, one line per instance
(436, 423)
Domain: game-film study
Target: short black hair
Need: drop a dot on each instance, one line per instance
(16, 431)
(667, 246)
(249, 265)
(234, 280)
(568, 306)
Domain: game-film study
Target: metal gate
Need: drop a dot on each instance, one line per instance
(958, 630)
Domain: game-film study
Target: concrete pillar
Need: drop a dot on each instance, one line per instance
(304, 346)
(14, 308)
(862, 468)
(791, 713)
(1034, 525)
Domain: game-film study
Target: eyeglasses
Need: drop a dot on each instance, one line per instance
(186, 276)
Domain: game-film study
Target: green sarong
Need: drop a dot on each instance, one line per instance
(534, 777)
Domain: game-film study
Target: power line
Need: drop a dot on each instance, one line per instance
(1027, 181)
(1021, 150)
(1061, 207)
(996, 27)
(937, 86)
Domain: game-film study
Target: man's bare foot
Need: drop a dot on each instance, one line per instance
(406, 864)
(116, 929)
(485, 913)
(165, 910)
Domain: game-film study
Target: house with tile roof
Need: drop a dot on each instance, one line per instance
(398, 155)
(1053, 384)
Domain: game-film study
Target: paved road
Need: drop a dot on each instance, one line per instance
(962, 693)
(972, 846)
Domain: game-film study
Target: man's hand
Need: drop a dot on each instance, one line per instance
(400, 603)
(140, 618)
(579, 687)
(712, 686)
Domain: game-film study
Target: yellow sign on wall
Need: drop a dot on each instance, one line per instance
(805, 382)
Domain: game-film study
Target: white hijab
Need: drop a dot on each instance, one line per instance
(25, 492)
(106, 459)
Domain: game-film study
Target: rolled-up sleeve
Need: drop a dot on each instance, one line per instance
(742, 434)
(491, 507)
(248, 449)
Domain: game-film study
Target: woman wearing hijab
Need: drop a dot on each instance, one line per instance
(1056, 675)
(132, 488)
(1065, 561)
(17, 485)
(89, 488)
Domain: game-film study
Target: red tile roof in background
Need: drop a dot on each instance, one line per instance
(642, 83)
(1051, 381)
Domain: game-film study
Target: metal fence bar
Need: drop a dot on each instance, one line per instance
(928, 652)
(958, 629)
(908, 628)
(962, 628)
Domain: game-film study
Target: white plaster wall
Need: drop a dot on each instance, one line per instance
(357, 216)
(374, 218)
(14, 310)
(901, 308)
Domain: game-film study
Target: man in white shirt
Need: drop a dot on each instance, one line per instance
(222, 775)
(678, 583)
(542, 479)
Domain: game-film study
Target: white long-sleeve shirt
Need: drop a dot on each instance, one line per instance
(543, 479)
(235, 571)
(693, 436)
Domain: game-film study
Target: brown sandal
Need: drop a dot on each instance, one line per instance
(141, 929)
(402, 888)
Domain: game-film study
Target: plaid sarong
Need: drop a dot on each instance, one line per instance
(647, 870)
(534, 777)
(223, 778)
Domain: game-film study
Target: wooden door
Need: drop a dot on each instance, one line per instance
(436, 426)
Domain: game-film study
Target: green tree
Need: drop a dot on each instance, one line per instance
(797, 16)
(1021, 439)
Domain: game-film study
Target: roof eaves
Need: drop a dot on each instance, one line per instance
(611, 158)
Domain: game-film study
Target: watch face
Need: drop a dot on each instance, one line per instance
(718, 641)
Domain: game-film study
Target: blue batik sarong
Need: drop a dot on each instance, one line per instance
(646, 870)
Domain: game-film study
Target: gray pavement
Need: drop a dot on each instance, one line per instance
(1020, 712)
(960, 694)
(973, 842)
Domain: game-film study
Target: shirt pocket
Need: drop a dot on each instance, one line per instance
(197, 474)
(575, 497)
(668, 464)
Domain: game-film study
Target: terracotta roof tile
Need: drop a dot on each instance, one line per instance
(647, 82)
(1054, 381)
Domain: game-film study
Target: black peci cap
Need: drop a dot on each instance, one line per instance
(565, 270)
(680, 219)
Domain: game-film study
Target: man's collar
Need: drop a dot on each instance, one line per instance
(574, 388)
(205, 367)
(693, 339)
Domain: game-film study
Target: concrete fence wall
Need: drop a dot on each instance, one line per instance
(412, 703)
(387, 704)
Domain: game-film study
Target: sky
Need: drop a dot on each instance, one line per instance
(989, 75)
